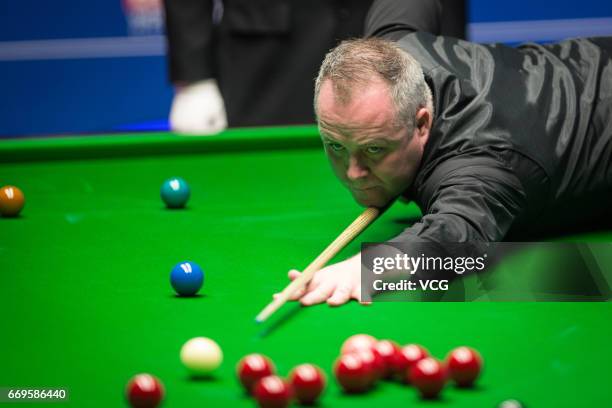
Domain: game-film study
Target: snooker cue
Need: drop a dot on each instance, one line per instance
(356, 227)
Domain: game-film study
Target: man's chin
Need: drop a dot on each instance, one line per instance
(370, 199)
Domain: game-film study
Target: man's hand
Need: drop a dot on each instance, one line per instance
(198, 109)
(336, 284)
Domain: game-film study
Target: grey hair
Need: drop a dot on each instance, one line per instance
(356, 62)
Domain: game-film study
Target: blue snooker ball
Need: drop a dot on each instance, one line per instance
(175, 192)
(187, 278)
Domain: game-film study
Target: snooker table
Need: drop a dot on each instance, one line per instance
(86, 301)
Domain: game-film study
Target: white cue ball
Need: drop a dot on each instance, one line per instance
(201, 355)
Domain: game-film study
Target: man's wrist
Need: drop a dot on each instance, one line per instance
(206, 82)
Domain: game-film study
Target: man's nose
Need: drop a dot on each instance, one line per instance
(356, 169)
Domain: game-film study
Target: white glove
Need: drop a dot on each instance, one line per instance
(198, 109)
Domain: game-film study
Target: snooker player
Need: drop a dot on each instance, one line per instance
(492, 142)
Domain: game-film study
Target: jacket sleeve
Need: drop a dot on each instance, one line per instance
(472, 203)
(393, 19)
(189, 33)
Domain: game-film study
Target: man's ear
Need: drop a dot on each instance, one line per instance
(423, 120)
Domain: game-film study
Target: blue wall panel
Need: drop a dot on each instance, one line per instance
(53, 87)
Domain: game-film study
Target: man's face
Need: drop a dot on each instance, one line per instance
(371, 156)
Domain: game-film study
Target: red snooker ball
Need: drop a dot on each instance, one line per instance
(374, 360)
(352, 373)
(272, 392)
(428, 376)
(387, 349)
(358, 342)
(144, 391)
(252, 368)
(405, 359)
(464, 366)
(307, 382)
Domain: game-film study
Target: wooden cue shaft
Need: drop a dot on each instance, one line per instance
(356, 227)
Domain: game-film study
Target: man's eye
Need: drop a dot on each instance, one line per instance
(374, 149)
(336, 147)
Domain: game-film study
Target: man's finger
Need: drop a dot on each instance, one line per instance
(298, 294)
(341, 295)
(318, 295)
(295, 296)
(294, 273)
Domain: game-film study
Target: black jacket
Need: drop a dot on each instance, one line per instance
(521, 143)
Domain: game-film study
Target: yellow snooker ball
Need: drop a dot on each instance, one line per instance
(201, 355)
